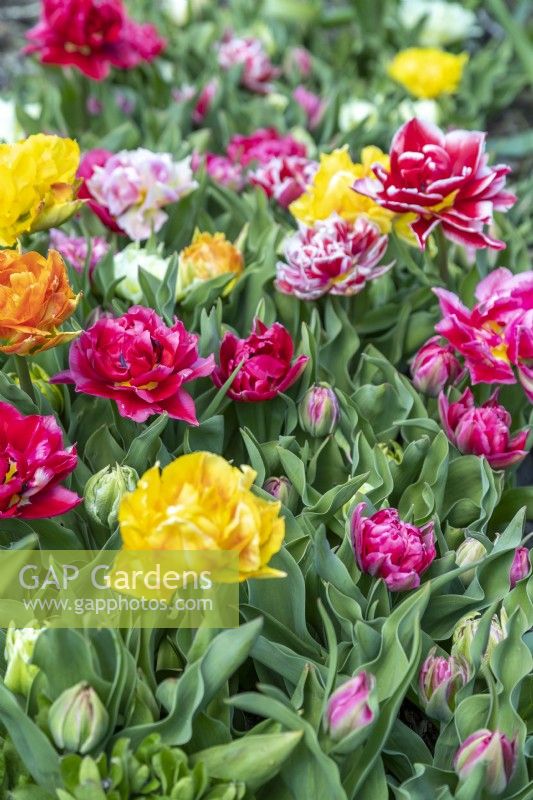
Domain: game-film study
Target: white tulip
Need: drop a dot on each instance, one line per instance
(354, 112)
(127, 264)
(444, 23)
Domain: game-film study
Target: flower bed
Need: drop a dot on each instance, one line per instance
(266, 330)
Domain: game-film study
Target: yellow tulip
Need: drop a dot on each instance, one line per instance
(331, 190)
(38, 179)
(201, 502)
(208, 256)
(428, 72)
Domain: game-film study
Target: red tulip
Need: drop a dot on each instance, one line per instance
(140, 363)
(267, 365)
(482, 430)
(33, 462)
(443, 179)
(284, 178)
(92, 36)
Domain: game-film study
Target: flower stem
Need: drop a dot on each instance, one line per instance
(23, 371)
(442, 255)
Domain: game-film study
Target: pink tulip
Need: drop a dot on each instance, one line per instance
(389, 548)
(140, 363)
(89, 162)
(497, 333)
(520, 567)
(312, 104)
(351, 707)
(284, 178)
(434, 367)
(94, 106)
(262, 146)
(439, 681)
(299, 60)
(220, 169)
(333, 257)
(133, 187)
(248, 53)
(205, 101)
(443, 179)
(495, 751)
(319, 411)
(279, 488)
(482, 430)
(75, 249)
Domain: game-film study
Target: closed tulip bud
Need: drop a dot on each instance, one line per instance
(434, 367)
(351, 707)
(495, 751)
(105, 490)
(466, 629)
(78, 719)
(20, 672)
(280, 488)
(298, 62)
(439, 681)
(520, 566)
(468, 552)
(319, 410)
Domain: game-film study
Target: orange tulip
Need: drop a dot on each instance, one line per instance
(35, 298)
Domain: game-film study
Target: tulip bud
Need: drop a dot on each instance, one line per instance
(20, 672)
(434, 366)
(520, 566)
(280, 488)
(78, 719)
(493, 749)
(351, 707)
(105, 490)
(439, 681)
(319, 411)
(465, 631)
(298, 62)
(468, 552)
